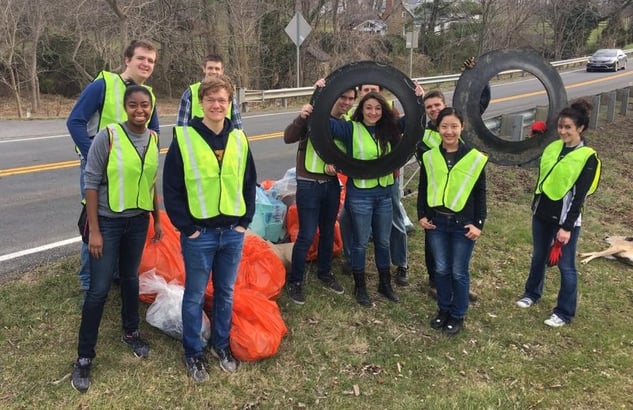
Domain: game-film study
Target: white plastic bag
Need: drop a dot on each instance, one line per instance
(286, 186)
(166, 311)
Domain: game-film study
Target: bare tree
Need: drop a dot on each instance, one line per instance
(11, 12)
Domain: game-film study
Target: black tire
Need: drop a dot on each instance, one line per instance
(349, 76)
(466, 100)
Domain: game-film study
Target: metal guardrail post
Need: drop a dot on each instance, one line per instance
(611, 100)
(241, 99)
(541, 113)
(624, 97)
(593, 121)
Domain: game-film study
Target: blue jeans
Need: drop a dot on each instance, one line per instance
(216, 253)
(370, 210)
(398, 242)
(317, 205)
(123, 242)
(451, 251)
(84, 267)
(543, 234)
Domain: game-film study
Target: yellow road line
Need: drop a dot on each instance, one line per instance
(535, 93)
(261, 137)
(74, 163)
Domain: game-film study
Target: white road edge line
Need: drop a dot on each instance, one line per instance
(42, 248)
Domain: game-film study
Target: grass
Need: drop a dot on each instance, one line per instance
(338, 355)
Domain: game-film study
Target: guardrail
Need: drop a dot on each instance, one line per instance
(246, 96)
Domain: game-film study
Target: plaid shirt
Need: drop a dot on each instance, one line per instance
(184, 111)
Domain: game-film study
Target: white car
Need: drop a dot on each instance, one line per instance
(611, 59)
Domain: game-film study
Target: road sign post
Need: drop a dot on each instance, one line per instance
(298, 29)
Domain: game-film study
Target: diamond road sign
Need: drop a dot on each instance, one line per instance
(298, 29)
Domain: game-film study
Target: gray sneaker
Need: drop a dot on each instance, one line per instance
(80, 379)
(196, 368)
(295, 292)
(402, 276)
(329, 281)
(227, 361)
(139, 346)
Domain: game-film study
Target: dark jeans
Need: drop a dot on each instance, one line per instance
(451, 251)
(216, 252)
(123, 242)
(317, 205)
(543, 234)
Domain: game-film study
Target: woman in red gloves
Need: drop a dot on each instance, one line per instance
(569, 171)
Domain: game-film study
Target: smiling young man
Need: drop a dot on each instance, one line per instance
(101, 104)
(190, 107)
(209, 182)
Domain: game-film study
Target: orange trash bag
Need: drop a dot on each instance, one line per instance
(164, 256)
(257, 326)
(260, 268)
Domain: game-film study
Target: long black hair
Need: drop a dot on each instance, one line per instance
(387, 130)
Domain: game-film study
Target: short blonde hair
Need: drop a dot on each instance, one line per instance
(214, 84)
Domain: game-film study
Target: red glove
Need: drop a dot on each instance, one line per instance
(555, 253)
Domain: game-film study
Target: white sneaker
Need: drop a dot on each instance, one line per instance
(525, 302)
(555, 321)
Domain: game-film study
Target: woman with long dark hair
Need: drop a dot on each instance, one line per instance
(372, 133)
(569, 170)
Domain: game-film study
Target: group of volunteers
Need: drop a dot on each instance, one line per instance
(209, 184)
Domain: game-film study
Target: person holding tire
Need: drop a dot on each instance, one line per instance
(318, 199)
(569, 170)
(452, 210)
(372, 132)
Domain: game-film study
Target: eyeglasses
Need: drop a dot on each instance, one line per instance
(220, 101)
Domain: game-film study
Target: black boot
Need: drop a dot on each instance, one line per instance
(384, 286)
(360, 289)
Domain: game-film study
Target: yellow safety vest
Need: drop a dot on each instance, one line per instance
(431, 138)
(313, 162)
(451, 188)
(131, 176)
(113, 108)
(196, 107)
(365, 147)
(213, 189)
(557, 177)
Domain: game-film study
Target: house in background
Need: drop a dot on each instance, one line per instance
(372, 27)
(399, 16)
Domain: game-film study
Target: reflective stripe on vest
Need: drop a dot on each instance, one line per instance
(451, 188)
(365, 147)
(113, 108)
(557, 177)
(131, 176)
(196, 107)
(431, 138)
(213, 189)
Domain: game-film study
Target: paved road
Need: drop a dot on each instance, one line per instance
(39, 193)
